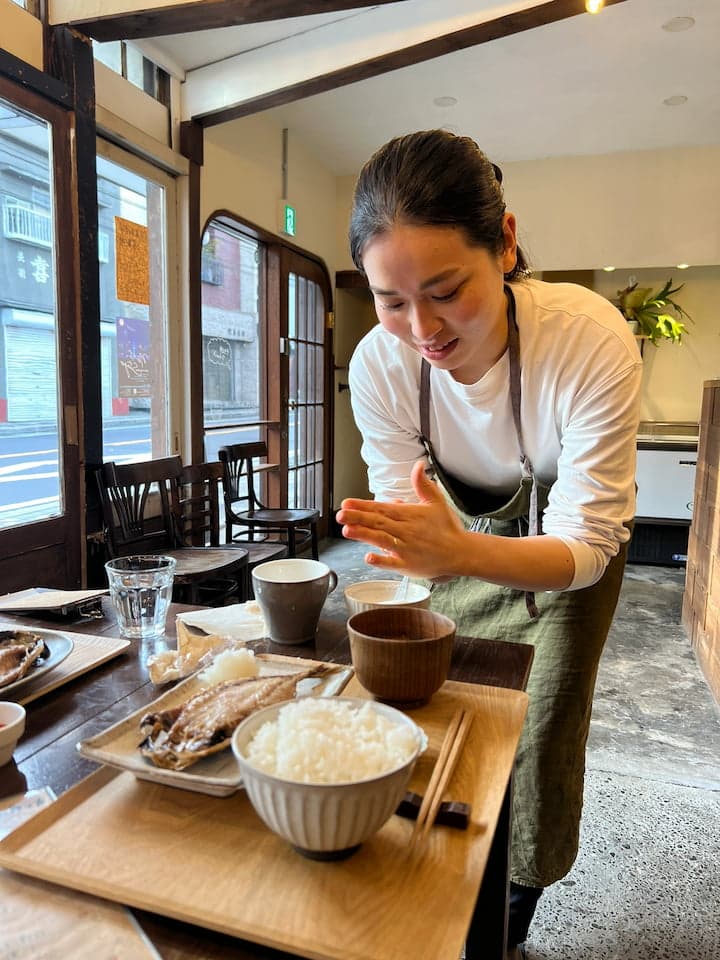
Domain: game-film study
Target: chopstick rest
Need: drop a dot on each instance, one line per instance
(451, 813)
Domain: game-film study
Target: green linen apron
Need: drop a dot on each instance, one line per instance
(568, 632)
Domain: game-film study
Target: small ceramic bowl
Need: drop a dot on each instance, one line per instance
(12, 727)
(324, 821)
(401, 654)
(371, 594)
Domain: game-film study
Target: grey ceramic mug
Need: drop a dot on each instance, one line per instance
(291, 594)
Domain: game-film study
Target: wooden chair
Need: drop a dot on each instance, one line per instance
(199, 512)
(296, 528)
(141, 513)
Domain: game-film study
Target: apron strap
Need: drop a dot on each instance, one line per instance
(527, 471)
(425, 405)
(526, 466)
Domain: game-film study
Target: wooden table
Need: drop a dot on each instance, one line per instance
(46, 756)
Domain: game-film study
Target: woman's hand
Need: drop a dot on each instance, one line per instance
(427, 539)
(424, 539)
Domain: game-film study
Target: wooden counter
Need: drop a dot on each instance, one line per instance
(701, 600)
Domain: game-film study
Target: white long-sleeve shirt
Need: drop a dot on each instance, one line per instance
(581, 374)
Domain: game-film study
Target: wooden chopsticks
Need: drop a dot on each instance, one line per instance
(449, 754)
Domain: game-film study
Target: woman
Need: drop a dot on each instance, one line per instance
(495, 408)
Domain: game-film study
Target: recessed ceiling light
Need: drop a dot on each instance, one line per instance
(678, 24)
(445, 101)
(682, 266)
(594, 6)
(677, 101)
(608, 269)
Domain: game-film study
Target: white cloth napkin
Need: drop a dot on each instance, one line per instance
(239, 621)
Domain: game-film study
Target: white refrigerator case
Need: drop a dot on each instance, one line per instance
(666, 484)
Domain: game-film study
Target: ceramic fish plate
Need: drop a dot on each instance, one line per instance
(217, 774)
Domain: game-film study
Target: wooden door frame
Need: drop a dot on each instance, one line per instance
(276, 250)
(51, 551)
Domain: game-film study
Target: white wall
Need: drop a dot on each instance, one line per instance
(354, 316)
(674, 373)
(646, 208)
(242, 173)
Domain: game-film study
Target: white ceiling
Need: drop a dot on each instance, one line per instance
(585, 85)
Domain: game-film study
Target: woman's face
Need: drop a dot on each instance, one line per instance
(441, 296)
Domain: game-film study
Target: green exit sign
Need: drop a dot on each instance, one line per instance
(288, 219)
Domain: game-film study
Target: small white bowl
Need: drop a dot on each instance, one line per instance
(371, 594)
(324, 821)
(12, 727)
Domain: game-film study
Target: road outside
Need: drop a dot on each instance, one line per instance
(29, 478)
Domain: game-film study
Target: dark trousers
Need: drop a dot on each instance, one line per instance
(523, 901)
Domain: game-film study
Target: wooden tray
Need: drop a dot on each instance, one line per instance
(42, 920)
(87, 652)
(212, 862)
(218, 774)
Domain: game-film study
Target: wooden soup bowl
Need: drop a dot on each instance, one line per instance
(401, 654)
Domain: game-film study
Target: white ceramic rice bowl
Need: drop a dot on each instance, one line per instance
(324, 821)
(12, 727)
(371, 594)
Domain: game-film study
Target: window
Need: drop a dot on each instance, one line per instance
(23, 221)
(130, 63)
(30, 487)
(211, 270)
(132, 241)
(232, 357)
(103, 246)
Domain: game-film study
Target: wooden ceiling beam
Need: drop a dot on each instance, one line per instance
(505, 26)
(160, 21)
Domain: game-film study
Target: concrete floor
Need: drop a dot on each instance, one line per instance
(646, 885)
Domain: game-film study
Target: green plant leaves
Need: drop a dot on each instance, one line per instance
(658, 315)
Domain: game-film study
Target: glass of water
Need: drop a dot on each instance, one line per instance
(140, 590)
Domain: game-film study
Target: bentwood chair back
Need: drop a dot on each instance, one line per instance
(141, 511)
(296, 528)
(139, 505)
(199, 511)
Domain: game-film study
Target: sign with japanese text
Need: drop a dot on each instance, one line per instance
(132, 262)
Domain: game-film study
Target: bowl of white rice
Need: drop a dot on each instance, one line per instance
(326, 773)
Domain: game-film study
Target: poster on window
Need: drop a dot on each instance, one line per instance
(133, 353)
(132, 262)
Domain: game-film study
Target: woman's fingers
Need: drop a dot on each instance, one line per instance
(426, 490)
(373, 536)
(352, 511)
(384, 560)
(420, 538)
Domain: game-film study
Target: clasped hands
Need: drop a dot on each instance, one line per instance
(423, 539)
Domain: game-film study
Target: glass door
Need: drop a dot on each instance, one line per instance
(306, 387)
(135, 203)
(41, 486)
(266, 353)
(233, 339)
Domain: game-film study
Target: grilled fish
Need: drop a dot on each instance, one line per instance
(19, 649)
(204, 724)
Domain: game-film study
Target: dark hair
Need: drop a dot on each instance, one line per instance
(431, 178)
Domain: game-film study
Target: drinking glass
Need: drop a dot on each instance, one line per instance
(140, 591)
